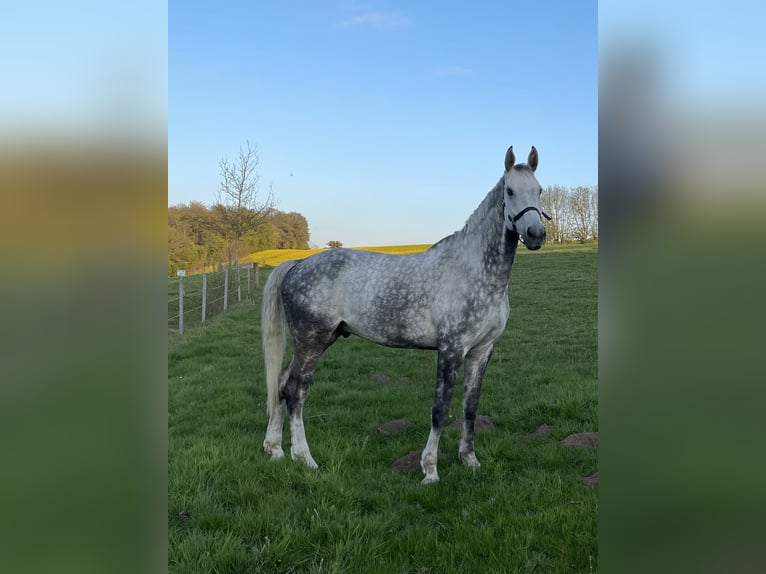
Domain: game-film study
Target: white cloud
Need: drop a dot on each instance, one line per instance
(377, 20)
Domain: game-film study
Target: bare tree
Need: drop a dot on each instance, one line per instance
(554, 201)
(582, 216)
(239, 207)
(594, 211)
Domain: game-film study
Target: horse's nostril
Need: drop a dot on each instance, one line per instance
(536, 233)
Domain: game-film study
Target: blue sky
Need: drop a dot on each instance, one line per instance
(381, 122)
(708, 56)
(84, 69)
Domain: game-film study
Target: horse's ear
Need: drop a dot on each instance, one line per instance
(510, 159)
(532, 160)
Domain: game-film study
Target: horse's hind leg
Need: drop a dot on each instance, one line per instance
(293, 395)
(475, 366)
(272, 444)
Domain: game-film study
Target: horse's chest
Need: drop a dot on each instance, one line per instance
(490, 321)
(478, 320)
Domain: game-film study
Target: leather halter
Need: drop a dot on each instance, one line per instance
(523, 211)
(516, 217)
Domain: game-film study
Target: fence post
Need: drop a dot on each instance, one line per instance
(204, 295)
(181, 274)
(226, 288)
(249, 292)
(257, 278)
(239, 283)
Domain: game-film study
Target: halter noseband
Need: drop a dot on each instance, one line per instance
(516, 217)
(523, 211)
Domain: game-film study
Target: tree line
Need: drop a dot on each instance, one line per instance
(199, 236)
(241, 221)
(573, 211)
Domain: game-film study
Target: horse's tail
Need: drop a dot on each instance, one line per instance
(273, 333)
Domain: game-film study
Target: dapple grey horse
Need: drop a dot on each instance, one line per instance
(452, 298)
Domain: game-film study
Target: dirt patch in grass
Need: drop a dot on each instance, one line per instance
(408, 463)
(587, 439)
(541, 431)
(482, 423)
(396, 427)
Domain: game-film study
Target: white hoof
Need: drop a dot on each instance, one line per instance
(470, 459)
(305, 458)
(277, 453)
(430, 479)
(428, 464)
(274, 449)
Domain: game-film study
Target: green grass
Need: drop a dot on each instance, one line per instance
(526, 510)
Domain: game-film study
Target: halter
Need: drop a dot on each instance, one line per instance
(515, 218)
(530, 208)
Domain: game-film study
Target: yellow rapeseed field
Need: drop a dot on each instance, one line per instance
(273, 257)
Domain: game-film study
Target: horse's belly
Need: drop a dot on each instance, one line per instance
(395, 332)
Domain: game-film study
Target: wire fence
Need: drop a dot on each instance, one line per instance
(195, 299)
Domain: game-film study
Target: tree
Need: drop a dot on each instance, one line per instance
(264, 237)
(199, 223)
(198, 236)
(582, 216)
(554, 202)
(182, 252)
(240, 209)
(293, 230)
(334, 244)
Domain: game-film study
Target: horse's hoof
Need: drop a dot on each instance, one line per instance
(306, 459)
(432, 479)
(470, 460)
(275, 450)
(277, 454)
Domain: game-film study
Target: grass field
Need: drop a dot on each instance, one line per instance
(526, 509)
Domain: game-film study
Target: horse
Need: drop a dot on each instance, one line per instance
(451, 298)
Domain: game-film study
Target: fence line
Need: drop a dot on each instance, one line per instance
(194, 299)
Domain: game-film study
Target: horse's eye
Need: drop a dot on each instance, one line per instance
(510, 191)
(541, 191)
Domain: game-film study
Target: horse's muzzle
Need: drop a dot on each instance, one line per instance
(534, 237)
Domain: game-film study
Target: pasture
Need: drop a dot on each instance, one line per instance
(230, 509)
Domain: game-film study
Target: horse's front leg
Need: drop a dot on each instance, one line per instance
(475, 367)
(448, 363)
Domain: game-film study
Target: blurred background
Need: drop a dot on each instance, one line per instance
(83, 189)
(681, 271)
(83, 184)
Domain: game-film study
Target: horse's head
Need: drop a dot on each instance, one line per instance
(521, 200)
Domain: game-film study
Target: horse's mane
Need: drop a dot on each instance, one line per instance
(475, 220)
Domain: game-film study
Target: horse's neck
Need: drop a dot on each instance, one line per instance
(489, 247)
